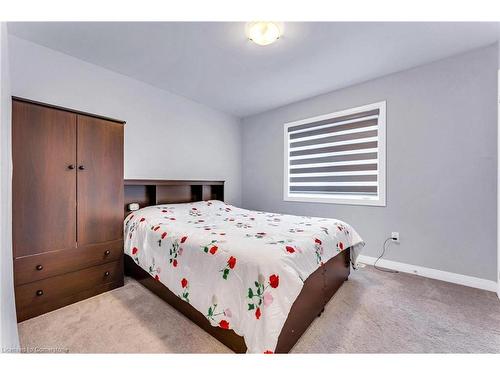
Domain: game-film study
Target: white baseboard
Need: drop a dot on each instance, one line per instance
(431, 273)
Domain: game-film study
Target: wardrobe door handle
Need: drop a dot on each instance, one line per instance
(39, 267)
(71, 166)
(39, 292)
(106, 253)
(106, 274)
(81, 167)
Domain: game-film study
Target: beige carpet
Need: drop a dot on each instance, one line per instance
(373, 312)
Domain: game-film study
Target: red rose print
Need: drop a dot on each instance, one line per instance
(172, 218)
(164, 211)
(184, 283)
(290, 249)
(340, 245)
(163, 235)
(231, 262)
(194, 209)
(156, 228)
(257, 313)
(142, 219)
(183, 239)
(174, 263)
(135, 250)
(157, 278)
(268, 352)
(224, 324)
(317, 241)
(222, 234)
(274, 281)
(213, 250)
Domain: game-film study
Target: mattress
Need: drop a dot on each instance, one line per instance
(242, 269)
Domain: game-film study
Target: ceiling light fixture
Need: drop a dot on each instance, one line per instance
(263, 33)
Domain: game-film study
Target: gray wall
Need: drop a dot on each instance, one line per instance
(9, 338)
(441, 163)
(166, 136)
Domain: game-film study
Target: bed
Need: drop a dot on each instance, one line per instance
(254, 280)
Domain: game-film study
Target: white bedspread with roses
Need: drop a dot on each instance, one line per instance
(242, 269)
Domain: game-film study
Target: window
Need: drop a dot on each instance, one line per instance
(337, 158)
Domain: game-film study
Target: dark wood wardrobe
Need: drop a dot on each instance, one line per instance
(67, 206)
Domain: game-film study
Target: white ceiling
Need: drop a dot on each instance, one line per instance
(213, 63)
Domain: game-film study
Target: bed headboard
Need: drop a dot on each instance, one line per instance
(152, 192)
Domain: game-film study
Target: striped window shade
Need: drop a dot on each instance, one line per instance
(337, 158)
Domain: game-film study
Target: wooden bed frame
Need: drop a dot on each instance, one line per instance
(318, 289)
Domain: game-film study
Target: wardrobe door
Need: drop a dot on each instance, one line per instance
(44, 179)
(99, 180)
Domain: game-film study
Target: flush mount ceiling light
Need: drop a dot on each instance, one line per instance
(263, 33)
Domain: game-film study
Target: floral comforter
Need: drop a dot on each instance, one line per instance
(242, 269)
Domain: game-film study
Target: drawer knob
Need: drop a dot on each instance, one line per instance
(106, 274)
(39, 292)
(39, 267)
(71, 166)
(107, 252)
(81, 167)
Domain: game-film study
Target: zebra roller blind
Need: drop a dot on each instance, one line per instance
(337, 158)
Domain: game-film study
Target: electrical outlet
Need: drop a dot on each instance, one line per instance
(395, 236)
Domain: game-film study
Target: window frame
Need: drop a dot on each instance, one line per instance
(380, 199)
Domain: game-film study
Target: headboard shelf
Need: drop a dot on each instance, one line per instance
(154, 192)
(174, 182)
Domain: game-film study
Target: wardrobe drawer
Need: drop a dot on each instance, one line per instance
(58, 287)
(37, 267)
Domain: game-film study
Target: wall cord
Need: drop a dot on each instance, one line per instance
(380, 257)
